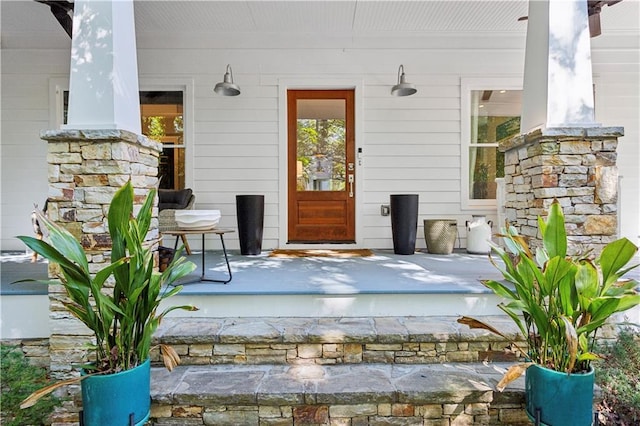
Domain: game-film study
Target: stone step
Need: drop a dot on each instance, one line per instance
(322, 341)
(356, 394)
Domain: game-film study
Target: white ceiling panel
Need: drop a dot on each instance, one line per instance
(193, 16)
(439, 16)
(302, 16)
(28, 24)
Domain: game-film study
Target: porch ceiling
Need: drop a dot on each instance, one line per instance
(28, 24)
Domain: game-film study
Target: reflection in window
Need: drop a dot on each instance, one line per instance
(161, 115)
(495, 116)
(321, 145)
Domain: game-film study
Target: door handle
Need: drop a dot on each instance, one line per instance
(351, 179)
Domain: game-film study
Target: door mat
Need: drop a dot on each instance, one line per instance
(340, 253)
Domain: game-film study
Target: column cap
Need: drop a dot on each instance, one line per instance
(99, 135)
(595, 132)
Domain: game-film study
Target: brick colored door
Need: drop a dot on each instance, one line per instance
(321, 166)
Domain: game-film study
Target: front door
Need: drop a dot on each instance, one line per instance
(321, 166)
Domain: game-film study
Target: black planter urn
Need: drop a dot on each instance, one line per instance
(404, 222)
(250, 213)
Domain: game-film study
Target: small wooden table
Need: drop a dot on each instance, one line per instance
(182, 233)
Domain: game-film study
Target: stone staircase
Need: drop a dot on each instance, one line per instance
(334, 371)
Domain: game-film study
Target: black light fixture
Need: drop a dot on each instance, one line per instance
(227, 87)
(403, 88)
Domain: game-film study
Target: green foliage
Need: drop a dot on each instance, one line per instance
(124, 320)
(482, 173)
(19, 379)
(157, 128)
(559, 301)
(619, 376)
(500, 164)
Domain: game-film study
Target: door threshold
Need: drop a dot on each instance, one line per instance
(319, 245)
(314, 243)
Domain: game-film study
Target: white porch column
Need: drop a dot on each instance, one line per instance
(558, 84)
(103, 86)
(561, 154)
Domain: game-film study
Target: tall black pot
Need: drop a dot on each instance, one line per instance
(404, 222)
(250, 212)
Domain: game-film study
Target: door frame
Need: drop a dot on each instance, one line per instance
(319, 84)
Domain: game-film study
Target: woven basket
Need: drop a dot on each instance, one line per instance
(440, 235)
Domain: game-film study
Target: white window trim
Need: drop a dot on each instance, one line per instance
(467, 85)
(58, 85)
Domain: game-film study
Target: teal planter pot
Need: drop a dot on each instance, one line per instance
(561, 398)
(109, 400)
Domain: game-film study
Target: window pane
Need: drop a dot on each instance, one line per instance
(161, 117)
(495, 116)
(321, 157)
(486, 164)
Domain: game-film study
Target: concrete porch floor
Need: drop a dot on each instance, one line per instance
(384, 284)
(384, 272)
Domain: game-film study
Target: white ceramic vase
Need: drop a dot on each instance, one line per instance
(478, 235)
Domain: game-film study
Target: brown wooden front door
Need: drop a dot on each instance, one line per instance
(321, 166)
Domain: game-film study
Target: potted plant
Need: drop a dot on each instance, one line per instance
(122, 319)
(559, 302)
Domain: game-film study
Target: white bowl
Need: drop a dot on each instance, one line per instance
(197, 219)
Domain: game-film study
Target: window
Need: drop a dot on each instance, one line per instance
(161, 115)
(162, 119)
(491, 113)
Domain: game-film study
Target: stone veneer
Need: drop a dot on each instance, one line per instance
(86, 168)
(343, 353)
(577, 167)
(334, 341)
(503, 410)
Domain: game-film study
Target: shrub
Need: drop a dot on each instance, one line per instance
(19, 379)
(618, 374)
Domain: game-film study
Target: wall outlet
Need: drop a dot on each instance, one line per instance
(385, 209)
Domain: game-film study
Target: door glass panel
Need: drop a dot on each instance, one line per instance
(321, 158)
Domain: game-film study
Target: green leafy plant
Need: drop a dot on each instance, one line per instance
(19, 379)
(482, 173)
(559, 301)
(123, 319)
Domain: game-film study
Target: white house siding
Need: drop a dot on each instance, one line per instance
(617, 100)
(25, 111)
(410, 144)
